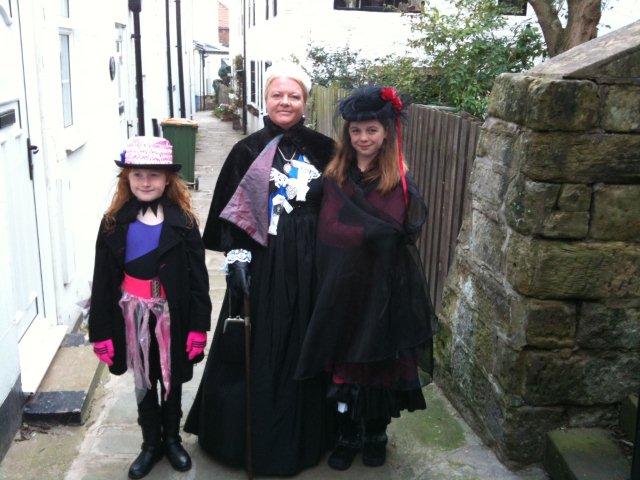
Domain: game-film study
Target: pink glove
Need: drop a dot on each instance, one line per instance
(196, 341)
(104, 351)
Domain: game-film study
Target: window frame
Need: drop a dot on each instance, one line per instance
(73, 132)
(66, 93)
(252, 82)
(120, 65)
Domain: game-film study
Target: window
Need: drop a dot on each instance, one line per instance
(513, 7)
(275, 7)
(64, 8)
(253, 15)
(65, 78)
(266, 4)
(261, 99)
(252, 85)
(378, 5)
(407, 6)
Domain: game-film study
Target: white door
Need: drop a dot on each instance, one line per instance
(25, 281)
(122, 81)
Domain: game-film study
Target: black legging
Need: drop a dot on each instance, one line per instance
(149, 408)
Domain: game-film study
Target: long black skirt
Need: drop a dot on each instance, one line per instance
(292, 421)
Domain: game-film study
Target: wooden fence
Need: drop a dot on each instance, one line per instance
(324, 101)
(440, 147)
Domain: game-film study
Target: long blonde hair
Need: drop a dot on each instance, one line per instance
(384, 168)
(176, 191)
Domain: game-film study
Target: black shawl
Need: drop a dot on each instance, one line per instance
(372, 302)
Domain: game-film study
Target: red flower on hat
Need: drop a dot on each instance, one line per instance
(389, 94)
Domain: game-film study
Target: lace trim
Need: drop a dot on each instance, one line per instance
(238, 255)
(278, 178)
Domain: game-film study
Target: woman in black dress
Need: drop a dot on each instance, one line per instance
(372, 319)
(263, 216)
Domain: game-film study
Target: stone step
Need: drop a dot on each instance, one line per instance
(584, 454)
(65, 394)
(628, 414)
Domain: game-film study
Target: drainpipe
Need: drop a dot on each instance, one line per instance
(169, 79)
(244, 67)
(180, 66)
(204, 86)
(135, 6)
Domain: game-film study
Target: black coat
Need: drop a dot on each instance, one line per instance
(291, 420)
(182, 272)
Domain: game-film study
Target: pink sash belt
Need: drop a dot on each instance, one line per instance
(143, 288)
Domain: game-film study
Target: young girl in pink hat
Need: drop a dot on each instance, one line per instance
(150, 305)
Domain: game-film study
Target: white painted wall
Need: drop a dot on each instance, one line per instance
(8, 337)
(205, 21)
(74, 173)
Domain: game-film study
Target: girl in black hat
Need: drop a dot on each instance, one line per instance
(150, 305)
(373, 316)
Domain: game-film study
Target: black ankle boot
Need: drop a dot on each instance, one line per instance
(173, 450)
(348, 445)
(374, 451)
(151, 451)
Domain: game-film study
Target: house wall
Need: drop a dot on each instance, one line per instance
(205, 21)
(78, 159)
(74, 174)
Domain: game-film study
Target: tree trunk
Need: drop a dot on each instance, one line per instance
(582, 23)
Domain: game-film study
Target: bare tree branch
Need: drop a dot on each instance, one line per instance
(582, 23)
(549, 21)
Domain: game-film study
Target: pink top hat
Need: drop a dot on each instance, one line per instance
(148, 152)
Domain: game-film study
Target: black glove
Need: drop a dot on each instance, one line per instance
(238, 277)
(238, 282)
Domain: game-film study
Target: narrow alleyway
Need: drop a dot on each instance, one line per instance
(434, 445)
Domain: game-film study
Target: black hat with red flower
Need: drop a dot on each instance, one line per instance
(372, 103)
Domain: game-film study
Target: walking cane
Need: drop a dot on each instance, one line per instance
(247, 375)
(246, 321)
(635, 464)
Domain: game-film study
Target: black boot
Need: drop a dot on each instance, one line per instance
(151, 451)
(175, 453)
(374, 451)
(349, 443)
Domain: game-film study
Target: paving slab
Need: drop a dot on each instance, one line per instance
(63, 397)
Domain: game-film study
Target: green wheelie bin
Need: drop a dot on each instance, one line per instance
(181, 132)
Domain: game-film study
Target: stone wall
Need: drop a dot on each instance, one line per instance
(541, 310)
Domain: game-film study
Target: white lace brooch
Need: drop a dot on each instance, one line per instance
(295, 187)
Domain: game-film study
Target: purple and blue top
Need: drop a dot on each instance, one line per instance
(141, 253)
